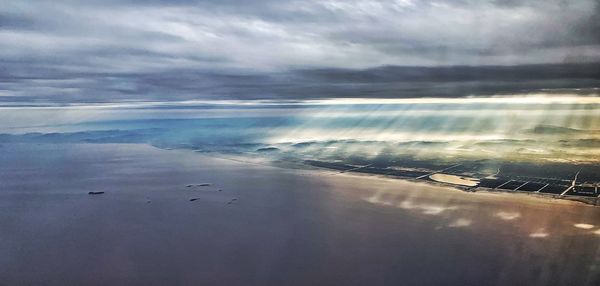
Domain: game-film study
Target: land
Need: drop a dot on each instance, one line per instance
(560, 181)
(286, 227)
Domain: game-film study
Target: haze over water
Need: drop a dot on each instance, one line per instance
(528, 128)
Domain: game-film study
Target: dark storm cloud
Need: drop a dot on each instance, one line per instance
(381, 82)
(173, 50)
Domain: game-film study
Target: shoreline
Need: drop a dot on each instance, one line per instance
(591, 201)
(552, 198)
(481, 191)
(576, 200)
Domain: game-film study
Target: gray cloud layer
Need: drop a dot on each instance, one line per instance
(167, 50)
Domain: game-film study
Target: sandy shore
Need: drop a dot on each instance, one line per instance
(285, 227)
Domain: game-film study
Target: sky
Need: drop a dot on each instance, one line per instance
(67, 51)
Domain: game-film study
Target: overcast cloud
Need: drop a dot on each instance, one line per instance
(172, 50)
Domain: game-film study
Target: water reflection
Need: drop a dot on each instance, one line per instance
(461, 222)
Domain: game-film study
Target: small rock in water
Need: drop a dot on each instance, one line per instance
(95, 193)
(199, 185)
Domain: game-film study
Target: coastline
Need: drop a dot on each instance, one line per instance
(590, 201)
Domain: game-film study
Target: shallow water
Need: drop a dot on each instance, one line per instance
(287, 227)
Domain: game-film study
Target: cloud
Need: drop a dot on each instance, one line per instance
(540, 233)
(461, 222)
(584, 225)
(507, 215)
(47, 84)
(174, 49)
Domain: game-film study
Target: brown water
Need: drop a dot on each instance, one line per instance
(287, 227)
